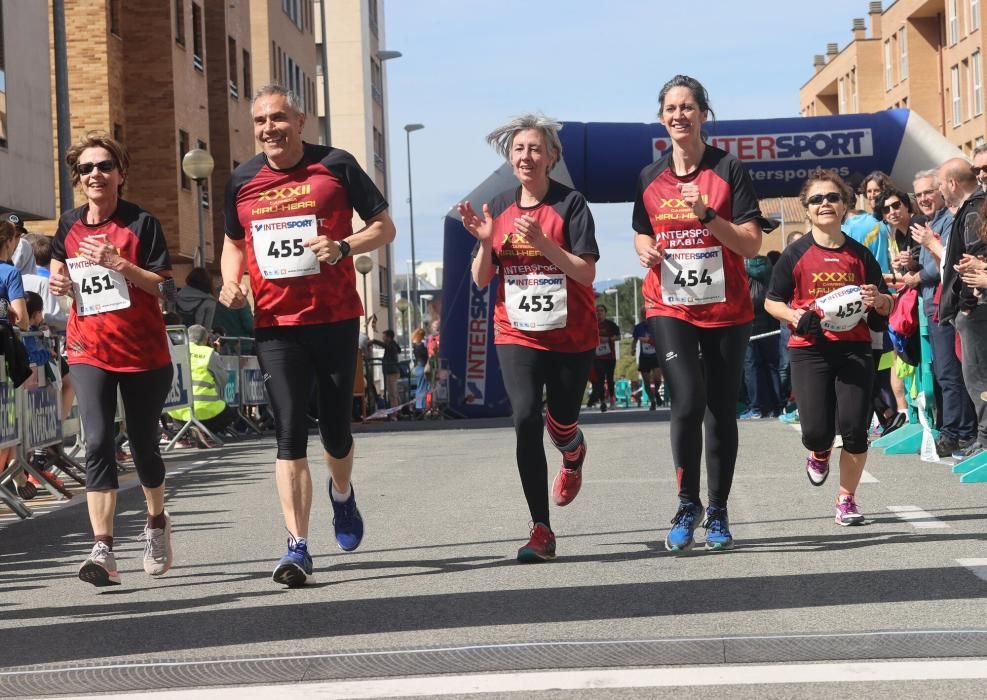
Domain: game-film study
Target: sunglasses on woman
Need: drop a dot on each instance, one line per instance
(831, 197)
(893, 206)
(104, 166)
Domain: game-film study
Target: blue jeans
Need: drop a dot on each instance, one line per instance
(959, 421)
(421, 387)
(761, 375)
(784, 363)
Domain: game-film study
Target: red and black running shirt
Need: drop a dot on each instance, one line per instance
(806, 271)
(697, 264)
(328, 184)
(566, 220)
(126, 340)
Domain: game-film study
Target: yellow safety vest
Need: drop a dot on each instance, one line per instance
(208, 399)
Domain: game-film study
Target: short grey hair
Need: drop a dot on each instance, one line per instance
(502, 138)
(922, 174)
(291, 98)
(982, 148)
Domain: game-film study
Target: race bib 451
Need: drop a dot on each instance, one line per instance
(97, 289)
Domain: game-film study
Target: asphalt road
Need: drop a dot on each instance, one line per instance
(434, 589)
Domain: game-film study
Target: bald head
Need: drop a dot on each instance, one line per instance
(956, 181)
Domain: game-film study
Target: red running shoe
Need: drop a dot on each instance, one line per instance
(568, 481)
(541, 546)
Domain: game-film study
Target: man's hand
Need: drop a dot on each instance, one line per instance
(233, 295)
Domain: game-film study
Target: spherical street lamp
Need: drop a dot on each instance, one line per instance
(198, 165)
(364, 264)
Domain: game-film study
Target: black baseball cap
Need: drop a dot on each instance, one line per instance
(16, 220)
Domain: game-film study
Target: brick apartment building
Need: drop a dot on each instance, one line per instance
(924, 55)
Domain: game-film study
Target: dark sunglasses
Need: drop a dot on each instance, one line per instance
(104, 166)
(831, 197)
(893, 206)
(979, 169)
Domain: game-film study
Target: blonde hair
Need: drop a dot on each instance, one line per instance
(98, 139)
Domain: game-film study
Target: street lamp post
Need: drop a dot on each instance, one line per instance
(425, 299)
(637, 316)
(197, 164)
(615, 293)
(364, 264)
(413, 280)
(403, 305)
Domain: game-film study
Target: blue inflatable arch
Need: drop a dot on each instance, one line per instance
(603, 162)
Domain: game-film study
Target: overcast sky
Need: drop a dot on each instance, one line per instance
(469, 65)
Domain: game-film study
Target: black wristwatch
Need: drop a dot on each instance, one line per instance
(708, 216)
(344, 250)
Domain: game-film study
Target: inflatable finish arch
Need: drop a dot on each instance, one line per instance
(603, 162)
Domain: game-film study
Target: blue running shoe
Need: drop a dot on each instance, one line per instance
(684, 524)
(295, 568)
(717, 525)
(346, 521)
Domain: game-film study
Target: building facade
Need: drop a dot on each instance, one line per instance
(924, 55)
(352, 42)
(27, 174)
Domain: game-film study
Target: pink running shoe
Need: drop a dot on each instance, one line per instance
(847, 512)
(816, 469)
(569, 480)
(541, 546)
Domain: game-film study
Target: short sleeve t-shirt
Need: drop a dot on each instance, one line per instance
(274, 211)
(806, 271)
(538, 305)
(642, 334)
(606, 348)
(700, 280)
(11, 283)
(130, 339)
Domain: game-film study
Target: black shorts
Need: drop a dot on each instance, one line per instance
(647, 363)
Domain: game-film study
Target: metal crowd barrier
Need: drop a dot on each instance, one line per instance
(244, 379)
(30, 419)
(180, 395)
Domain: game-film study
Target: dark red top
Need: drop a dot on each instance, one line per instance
(565, 219)
(328, 184)
(126, 340)
(697, 266)
(806, 271)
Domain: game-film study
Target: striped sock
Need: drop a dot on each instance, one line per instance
(568, 439)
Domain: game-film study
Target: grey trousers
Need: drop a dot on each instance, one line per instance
(972, 328)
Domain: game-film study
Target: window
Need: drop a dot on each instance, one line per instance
(248, 85)
(383, 284)
(903, 49)
(114, 7)
(376, 81)
(978, 83)
(380, 157)
(954, 75)
(180, 22)
(888, 66)
(3, 87)
(182, 150)
(205, 183)
(842, 91)
(231, 47)
(953, 21)
(974, 15)
(853, 90)
(373, 17)
(293, 10)
(118, 132)
(197, 37)
(979, 141)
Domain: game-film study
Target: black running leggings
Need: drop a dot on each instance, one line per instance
(297, 359)
(833, 382)
(143, 395)
(604, 372)
(705, 389)
(528, 375)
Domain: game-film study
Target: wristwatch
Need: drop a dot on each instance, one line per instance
(344, 250)
(708, 216)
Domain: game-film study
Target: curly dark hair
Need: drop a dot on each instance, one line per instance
(887, 194)
(883, 179)
(199, 279)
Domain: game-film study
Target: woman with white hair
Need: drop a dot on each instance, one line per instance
(540, 237)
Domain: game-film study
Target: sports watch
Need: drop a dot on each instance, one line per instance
(708, 216)
(344, 250)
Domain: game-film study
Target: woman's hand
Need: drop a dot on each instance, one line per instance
(102, 253)
(325, 249)
(649, 252)
(481, 228)
(873, 299)
(693, 198)
(529, 229)
(59, 284)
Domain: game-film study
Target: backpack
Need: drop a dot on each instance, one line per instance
(188, 317)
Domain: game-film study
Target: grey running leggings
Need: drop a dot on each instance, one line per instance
(143, 395)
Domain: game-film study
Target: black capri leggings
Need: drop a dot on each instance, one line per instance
(143, 395)
(296, 359)
(833, 382)
(528, 374)
(705, 390)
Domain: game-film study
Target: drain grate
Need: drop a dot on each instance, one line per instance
(157, 674)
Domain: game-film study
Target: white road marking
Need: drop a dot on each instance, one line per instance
(890, 671)
(977, 566)
(917, 517)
